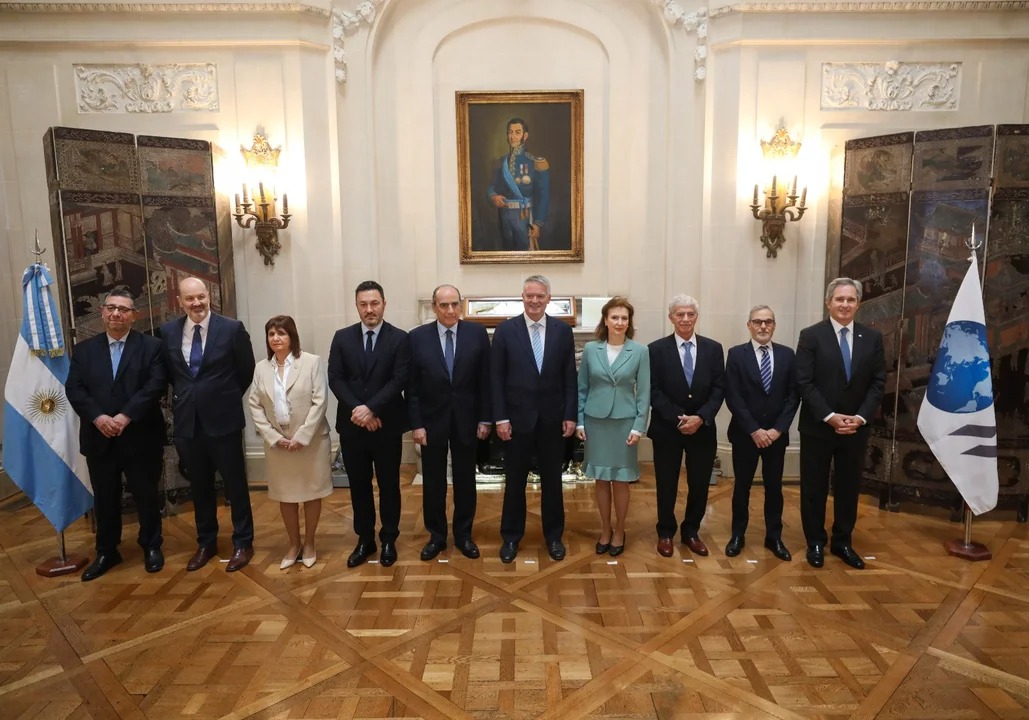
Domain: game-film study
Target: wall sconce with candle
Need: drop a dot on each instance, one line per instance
(259, 211)
(779, 206)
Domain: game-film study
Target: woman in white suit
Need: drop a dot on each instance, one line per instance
(614, 397)
(288, 404)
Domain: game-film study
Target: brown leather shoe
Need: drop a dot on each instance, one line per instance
(696, 545)
(241, 557)
(201, 558)
(664, 547)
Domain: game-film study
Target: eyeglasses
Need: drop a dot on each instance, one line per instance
(760, 323)
(118, 308)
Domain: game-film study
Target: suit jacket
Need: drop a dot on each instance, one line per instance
(213, 400)
(521, 393)
(752, 408)
(306, 393)
(671, 397)
(378, 383)
(822, 382)
(136, 391)
(615, 390)
(433, 399)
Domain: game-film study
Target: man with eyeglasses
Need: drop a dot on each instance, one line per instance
(115, 385)
(760, 392)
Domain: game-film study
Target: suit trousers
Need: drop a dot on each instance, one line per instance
(364, 455)
(434, 478)
(745, 455)
(142, 474)
(546, 443)
(700, 449)
(204, 455)
(846, 455)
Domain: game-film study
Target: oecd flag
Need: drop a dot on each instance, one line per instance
(957, 417)
(41, 431)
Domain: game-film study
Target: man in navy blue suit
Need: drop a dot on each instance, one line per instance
(687, 386)
(535, 396)
(448, 403)
(115, 384)
(760, 391)
(841, 375)
(211, 364)
(368, 368)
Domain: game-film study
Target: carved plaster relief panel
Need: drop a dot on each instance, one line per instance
(143, 88)
(892, 85)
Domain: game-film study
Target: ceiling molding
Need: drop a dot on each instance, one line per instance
(207, 7)
(898, 6)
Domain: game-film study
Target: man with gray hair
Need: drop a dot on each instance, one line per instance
(687, 386)
(535, 403)
(841, 373)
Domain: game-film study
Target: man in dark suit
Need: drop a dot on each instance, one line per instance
(448, 403)
(115, 384)
(535, 396)
(761, 393)
(368, 367)
(687, 385)
(211, 363)
(841, 372)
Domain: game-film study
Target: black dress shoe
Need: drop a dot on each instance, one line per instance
(429, 552)
(846, 554)
(778, 549)
(153, 560)
(103, 563)
(603, 547)
(815, 556)
(388, 555)
(735, 545)
(617, 550)
(361, 553)
(468, 548)
(556, 550)
(508, 552)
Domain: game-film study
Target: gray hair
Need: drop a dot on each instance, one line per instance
(445, 285)
(833, 284)
(682, 301)
(756, 308)
(539, 279)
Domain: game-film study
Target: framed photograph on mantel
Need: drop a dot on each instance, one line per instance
(491, 311)
(519, 170)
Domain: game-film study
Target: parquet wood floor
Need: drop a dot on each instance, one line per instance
(916, 635)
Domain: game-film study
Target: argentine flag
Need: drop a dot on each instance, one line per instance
(957, 416)
(41, 431)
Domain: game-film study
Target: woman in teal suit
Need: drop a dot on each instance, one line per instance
(614, 396)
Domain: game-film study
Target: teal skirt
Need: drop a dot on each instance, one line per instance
(607, 455)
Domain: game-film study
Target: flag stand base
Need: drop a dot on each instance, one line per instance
(55, 566)
(972, 551)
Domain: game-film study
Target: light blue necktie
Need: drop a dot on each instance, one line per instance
(687, 362)
(845, 349)
(766, 369)
(448, 353)
(116, 348)
(537, 346)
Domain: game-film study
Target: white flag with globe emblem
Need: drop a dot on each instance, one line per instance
(957, 417)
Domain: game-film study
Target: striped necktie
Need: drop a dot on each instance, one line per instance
(766, 369)
(537, 346)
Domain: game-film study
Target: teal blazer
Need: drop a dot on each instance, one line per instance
(621, 390)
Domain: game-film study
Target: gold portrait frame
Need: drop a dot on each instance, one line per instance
(555, 141)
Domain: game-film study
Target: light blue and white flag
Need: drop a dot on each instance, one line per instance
(957, 416)
(41, 431)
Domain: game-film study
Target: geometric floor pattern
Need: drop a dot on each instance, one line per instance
(917, 634)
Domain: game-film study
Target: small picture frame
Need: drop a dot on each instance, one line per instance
(491, 311)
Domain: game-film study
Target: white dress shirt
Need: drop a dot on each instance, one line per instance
(281, 402)
(757, 351)
(187, 335)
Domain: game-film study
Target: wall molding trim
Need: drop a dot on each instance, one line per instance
(142, 88)
(891, 86)
(874, 6)
(135, 7)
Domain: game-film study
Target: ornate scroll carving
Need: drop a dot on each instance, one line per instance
(345, 22)
(694, 22)
(143, 88)
(891, 86)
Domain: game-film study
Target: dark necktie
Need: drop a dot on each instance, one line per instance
(196, 352)
(845, 349)
(368, 344)
(687, 362)
(116, 348)
(448, 353)
(766, 369)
